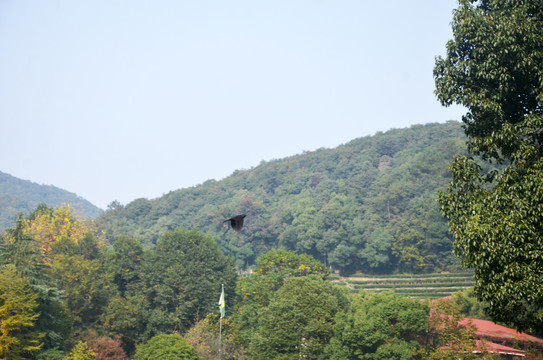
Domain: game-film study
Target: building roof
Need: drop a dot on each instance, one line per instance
(494, 332)
(498, 348)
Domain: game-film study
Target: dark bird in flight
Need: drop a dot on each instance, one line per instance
(236, 222)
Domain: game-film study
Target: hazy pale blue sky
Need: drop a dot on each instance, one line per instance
(117, 100)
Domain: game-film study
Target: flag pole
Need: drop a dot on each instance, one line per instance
(222, 306)
(220, 337)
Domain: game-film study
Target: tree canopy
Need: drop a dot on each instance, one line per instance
(494, 67)
(368, 205)
(379, 327)
(18, 304)
(86, 300)
(299, 320)
(166, 347)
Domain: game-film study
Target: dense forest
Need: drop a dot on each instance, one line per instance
(145, 278)
(142, 281)
(66, 294)
(18, 195)
(368, 205)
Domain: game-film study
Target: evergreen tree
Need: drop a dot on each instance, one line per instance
(20, 248)
(18, 304)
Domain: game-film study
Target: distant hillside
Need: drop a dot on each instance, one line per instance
(23, 195)
(368, 205)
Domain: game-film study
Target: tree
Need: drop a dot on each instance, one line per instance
(166, 347)
(379, 326)
(51, 226)
(450, 337)
(125, 263)
(54, 319)
(287, 263)
(22, 250)
(468, 304)
(378, 249)
(126, 318)
(316, 201)
(494, 67)
(51, 354)
(87, 287)
(18, 337)
(256, 290)
(81, 351)
(299, 321)
(105, 348)
(204, 337)
(181, 277)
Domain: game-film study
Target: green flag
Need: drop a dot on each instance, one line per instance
(222, 304)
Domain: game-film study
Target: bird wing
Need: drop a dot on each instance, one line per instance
(237, 223)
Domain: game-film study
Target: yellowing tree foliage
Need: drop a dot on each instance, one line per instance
(49, 226)
(18, 315)
(81, 351)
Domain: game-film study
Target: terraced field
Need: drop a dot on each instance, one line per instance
(429, 286)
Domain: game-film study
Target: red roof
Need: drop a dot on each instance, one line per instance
(489, 330)
(498, 348)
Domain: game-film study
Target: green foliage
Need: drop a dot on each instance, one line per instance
(182, 279)
(348, 207)
(54, 320)
(203, 336)
(166, 347)
(468, 304)
(287, 263)
(51, 354)
(450, 335)
(167, 289)
(379, 327)
(81, 351)
(257, 289)
(377, 252)
(125, 263)
(299, 320)
(18, 336)
(498, 233)
(21, 250)
(86, 286)
(494, 68)
(126, 317)
(18, 195)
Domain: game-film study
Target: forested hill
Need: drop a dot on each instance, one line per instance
(367, 205)
(24, 196)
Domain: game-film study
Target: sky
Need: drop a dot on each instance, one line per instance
(116, 100)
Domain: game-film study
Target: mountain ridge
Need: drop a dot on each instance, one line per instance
(368, 204)
(18, 195)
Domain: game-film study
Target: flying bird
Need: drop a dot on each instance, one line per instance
(236, 222)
